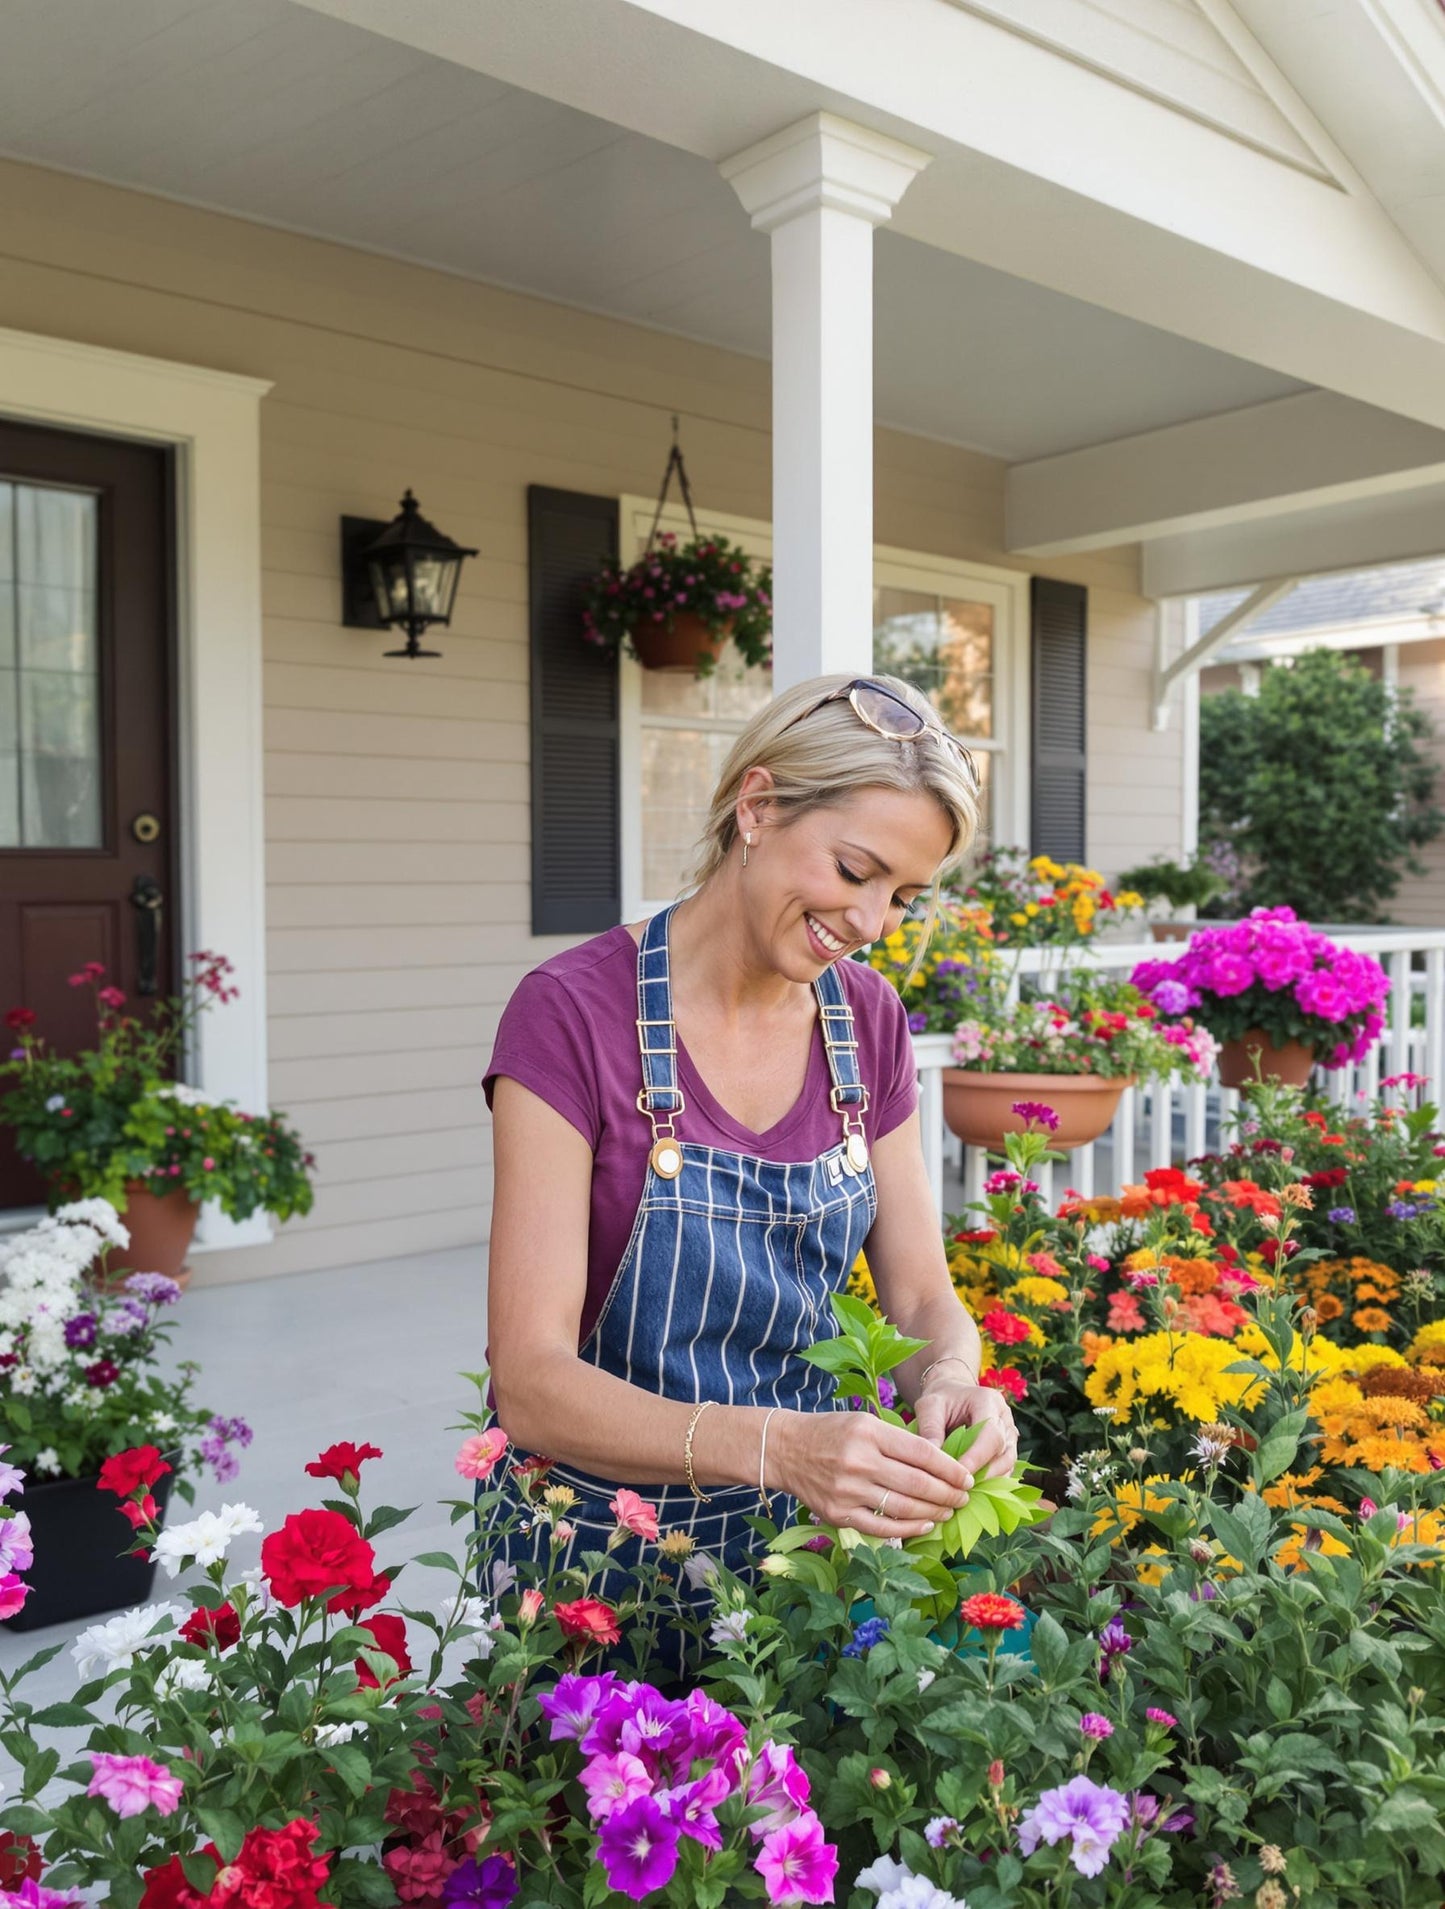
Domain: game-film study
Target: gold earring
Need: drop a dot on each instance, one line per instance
(747, 844)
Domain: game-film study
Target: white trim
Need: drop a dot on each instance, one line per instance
(1189, 736)
(212, 419)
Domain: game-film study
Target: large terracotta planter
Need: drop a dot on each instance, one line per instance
(161, 1228)
(1290, 1065)
(679, 646)
(82, 1552)
(979, 1107)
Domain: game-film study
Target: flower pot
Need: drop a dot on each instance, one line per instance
(161, 1226)
(1290, 1065)
(680, 644)
(1172, 930)
(978, 1107)
(81, 1539)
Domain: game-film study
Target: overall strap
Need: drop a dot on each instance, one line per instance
(848, 1096)
(661, 1099)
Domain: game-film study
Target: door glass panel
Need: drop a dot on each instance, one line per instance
(49, 658)
(943, 646)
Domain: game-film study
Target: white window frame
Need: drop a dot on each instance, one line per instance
(1005, 591)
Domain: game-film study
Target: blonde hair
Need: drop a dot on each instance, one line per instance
(823, 760)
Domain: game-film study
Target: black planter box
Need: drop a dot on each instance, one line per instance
(81, 1540)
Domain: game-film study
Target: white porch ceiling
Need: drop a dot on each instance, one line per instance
(275, 112)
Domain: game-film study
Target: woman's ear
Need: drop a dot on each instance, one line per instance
(754, 805)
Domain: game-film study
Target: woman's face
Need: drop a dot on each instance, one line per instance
(840, 877)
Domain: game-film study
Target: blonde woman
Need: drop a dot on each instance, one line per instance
(699, 1121)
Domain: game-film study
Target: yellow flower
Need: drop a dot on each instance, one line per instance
(1366, 1358)
(1426, 1337)
(1031, 908)
(1292, 1555)
(1151, 1573)
(1019, 919)
(860, 1282)
(1130, 1502)
(1128, 899)
(1036, 1289)
(1186, 1370)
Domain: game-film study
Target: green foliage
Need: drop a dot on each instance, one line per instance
(1323, 783)
(1181, 884)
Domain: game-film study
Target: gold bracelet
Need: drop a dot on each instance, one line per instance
(687, 1470)
(763, 1492)
(949, 1358)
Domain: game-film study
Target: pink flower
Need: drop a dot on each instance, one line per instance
(13, 1593)
(530, 1603)
(133, 1784)
(611, 1782)
(634, 1514)
(208, 1164)
(479, 1454)
(777, 1784)
(796, 1864)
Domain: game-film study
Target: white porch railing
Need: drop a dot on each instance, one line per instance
(1163, 1122)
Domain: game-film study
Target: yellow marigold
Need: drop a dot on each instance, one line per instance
(1294, 1553)
(1366, 1358)
(1383, 1451)
(860, 1282)
(1328, 1306)
(1036, 1289)
(1130, 1502)
(1334, 1395)
(1292, 1489)
(1385, 1409)
(1186, 1370)
(1426, 1338)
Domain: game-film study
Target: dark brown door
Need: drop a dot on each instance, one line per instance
(87, 784)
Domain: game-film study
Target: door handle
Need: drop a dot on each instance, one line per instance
(147, 900)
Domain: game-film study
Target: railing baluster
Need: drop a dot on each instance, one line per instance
(1122, 1134)
(1435, 1021)
(1080, 1169)
(1195, 1105)
(930, 1120)
(1399, 966)
(1161, 1122)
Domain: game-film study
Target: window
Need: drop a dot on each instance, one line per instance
(957, 631)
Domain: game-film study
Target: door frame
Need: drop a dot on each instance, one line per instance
(211, 420)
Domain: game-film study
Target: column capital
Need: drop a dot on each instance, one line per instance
(823, 161)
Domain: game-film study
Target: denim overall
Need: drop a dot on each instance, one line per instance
(725, 1280)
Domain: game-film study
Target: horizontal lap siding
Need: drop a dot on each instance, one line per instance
(397, 805)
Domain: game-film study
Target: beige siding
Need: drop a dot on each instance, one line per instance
(397, 795)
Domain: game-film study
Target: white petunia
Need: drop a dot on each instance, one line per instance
(239, 1519)
(925, 1678)
(918, 1892)
(183, 1673)
(206, 1538)
(883, 1873)
(257, 1590)
(101, 1215)
(731, 1629)
(162, 1422)
(114, 1644)
(23, 1381)
(328, 1734)
(55, 1103)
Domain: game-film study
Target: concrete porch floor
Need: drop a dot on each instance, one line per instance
(364, 1353)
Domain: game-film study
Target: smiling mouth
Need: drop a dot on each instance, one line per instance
(825, 938)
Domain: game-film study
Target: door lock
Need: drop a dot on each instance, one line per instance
(146, 828)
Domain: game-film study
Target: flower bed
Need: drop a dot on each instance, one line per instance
(1233, 1688)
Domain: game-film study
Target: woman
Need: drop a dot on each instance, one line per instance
(700, 1120)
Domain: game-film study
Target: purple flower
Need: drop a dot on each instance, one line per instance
(691, 1807)
(153, 1288)
(491, 1883)
(1037, 1112)
(1341, 1215)
(938, 1829)
(571, 1707)
(917, 1022)
(796, 1864)
(865, 1636)
(1089, 1814)
(1403, 1210)
(80, 1331)
(11, 1476)
(1171, 997)
(34, 1895)
(887, 1393)
(638, 1848)
(612, 1782)
(17, 1549)
(1114, 1641)
(1092, 1725)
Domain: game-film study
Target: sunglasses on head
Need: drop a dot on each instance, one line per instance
(884, 711)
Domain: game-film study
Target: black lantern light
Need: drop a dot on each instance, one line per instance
(403, 573)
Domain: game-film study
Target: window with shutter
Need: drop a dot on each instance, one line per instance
(1060, 758)
(576, 864)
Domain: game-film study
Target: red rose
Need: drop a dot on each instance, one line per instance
(339, 1460)
(167, 1888)
(274, 1869)
(589, 1620)
(390, 1635)
(220, 1627)
(316, 1551)
(125, 1472)
(19, 1858)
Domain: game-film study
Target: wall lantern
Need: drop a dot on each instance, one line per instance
(403, 573)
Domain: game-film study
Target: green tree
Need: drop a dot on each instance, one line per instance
(1323, 784)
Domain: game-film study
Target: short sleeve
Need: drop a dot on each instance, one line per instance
(895, 1072)
(543, 1041)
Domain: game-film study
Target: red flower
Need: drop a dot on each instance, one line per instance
(316, 1551)
(126, 1472)
(140, 1511)
(981, 1236)
(112, 997)
(337, 1460)
(1256, 1198)
(103, 1373)
(987, 1611)
(589, 1620)
(167, 1888)
(19, 1858)
(220, 1627)
(1005, 1328)
(390, 1635)
(18, 1019)
(1006, 1378)
(275, 1869)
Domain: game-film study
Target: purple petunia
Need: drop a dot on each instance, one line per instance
(1341, 1215)
(638, 1848)
(571, 1707)
(490, 1883)
(1403, 1210)
(80, 1331)
(1090, 1815)
(154, 1289)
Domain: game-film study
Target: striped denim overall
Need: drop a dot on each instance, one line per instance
(724, 1282)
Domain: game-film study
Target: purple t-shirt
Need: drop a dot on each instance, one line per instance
(569, 1034)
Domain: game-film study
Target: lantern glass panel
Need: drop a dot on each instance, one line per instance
(435, 582)
(389, 587)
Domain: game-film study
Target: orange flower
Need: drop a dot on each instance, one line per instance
(1371, 1319)
(1256, 1198)
(1193, 1275)
(1327, 1307)
(987, 1611)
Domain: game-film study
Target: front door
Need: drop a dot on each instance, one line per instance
(87, 778)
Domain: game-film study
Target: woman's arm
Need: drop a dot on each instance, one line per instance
(548, 1400)
(910, 1272)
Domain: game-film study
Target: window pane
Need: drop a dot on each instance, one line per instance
(680, 769)
(733, 690)
(49, 667)
(944, 647)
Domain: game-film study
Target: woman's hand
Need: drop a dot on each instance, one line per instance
(851, 1469)
(940, 1408)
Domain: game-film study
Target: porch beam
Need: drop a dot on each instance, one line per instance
(1306, 451)
(819, 188)
(1200, 651)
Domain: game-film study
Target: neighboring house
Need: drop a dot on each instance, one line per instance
(1154, 309)
(1393, 621)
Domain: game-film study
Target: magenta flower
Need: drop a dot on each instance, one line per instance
(34, 1895)
(778, 1785)
(571, 1707)
(1165, 1718)
(133, 1784)
(691, 1807)
(1089, 1814)
(1092, 1725)
(612, 1782)
(1038, 1113)
(638, 1848)
(796, 1864)
(13, 1593)
(17, 1548)
(489, 1884)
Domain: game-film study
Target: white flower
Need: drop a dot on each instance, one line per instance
(183, 1673)
(97, 1213)
(477, 1621)
(178, 1091)
(885, 1872)
(917, 1892)
(206, 1538)
(731, 1629)
(113, 1645)
(256, 1589)
(23, 1381)
(925, 1678)
(328, 1734)
(162, 1422)
(55, 1103)
(47, 1460)
(700, 1570)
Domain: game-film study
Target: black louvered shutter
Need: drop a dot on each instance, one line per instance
(1060, 618)
(576, 867)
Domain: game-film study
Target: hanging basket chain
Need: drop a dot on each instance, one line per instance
(674, 463)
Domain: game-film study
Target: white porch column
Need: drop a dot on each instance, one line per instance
(819, 188)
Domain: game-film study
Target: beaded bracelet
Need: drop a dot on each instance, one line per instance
(687, 1471)
(953, 1358)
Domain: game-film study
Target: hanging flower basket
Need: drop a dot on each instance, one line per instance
(978, 1107)
(680, 642)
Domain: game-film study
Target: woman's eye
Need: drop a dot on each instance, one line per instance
(848, 875)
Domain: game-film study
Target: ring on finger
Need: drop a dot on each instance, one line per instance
(878, 1509)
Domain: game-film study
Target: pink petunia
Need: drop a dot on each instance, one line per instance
(13, 1593)
(634, 1514)
(133, 1784)
(796, 1864)
(479, 1454)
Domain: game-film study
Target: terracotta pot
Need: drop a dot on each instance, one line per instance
(1290, 1065)
(162, 1227)
(82, 1562)
(979, 1107)
(1172, 930)
(678, 647)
